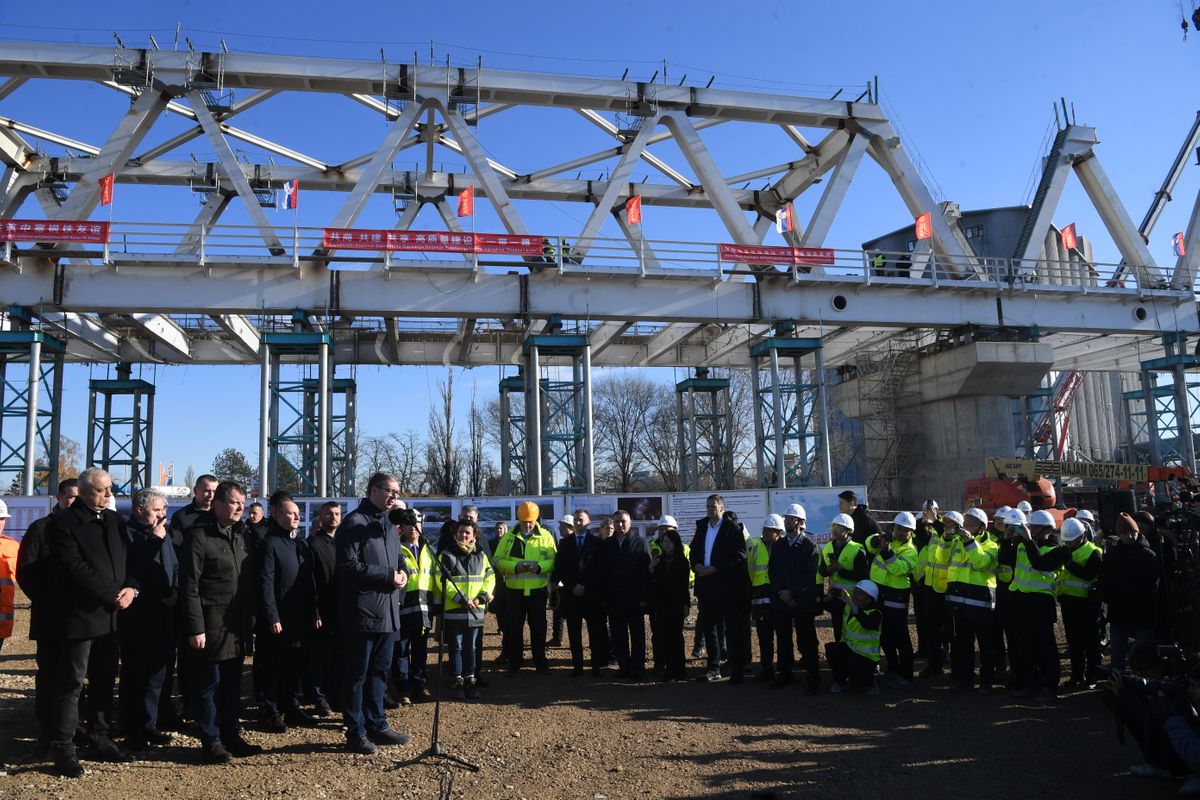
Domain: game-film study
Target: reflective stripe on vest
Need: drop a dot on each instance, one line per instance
(860, 640)
(760, 555)
(1068, 584)
(845, 563)
(1028, 580)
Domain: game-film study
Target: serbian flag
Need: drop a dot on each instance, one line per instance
(106, 189)
(466, 202)
(291, 193)
(1070, 240)
(1180, 247)
(633, 210)
(924, 226)
(785, 219)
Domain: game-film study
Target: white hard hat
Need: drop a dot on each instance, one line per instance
(845, 520)
(568, 519)
(930, 504)
(974, 513)
(668, 522)
(1085, 515)
(1014, 517)
(1072, 529)
(4, 510)
(1042, 518)
(1002, 510)
(905, 520)
(956, 517)
(1024, 507)
(869, 587)
(796, 510)
(774, 521)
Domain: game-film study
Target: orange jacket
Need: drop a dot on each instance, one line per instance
(8, 581)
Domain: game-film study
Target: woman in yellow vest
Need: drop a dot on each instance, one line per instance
(1077, 597)
(464, 595)
(892, 567)
(854, 657)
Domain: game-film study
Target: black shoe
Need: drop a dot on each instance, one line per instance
(388, 736)
(364, 747)
(480, 682)
(217, 754)
(390, 702)
(513, 670)
(66, 764)
(136, 745)
(158, 738)
(108, 750)
(300, 719)
(322, 709)
(422, 695)
(240, 748)
(764, 675)
(542, 669)
(273, 723)
(554, 643)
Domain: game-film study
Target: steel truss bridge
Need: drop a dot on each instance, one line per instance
(200, 291)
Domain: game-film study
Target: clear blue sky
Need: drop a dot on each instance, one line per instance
(970, 85)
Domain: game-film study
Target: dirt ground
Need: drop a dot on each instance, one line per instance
(557, 736)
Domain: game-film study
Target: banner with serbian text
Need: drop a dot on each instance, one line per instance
(432, 242)
(40, 230)
(761, 254)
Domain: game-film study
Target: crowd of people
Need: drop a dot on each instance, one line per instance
(342, 620)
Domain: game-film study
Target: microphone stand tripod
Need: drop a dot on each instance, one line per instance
(435, 746)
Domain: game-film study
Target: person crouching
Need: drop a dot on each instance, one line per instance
(854, 657)
(466, 589)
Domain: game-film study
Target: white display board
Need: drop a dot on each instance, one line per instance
(23, 511)
(688, 507)
(820, 503)
(645, 510)
(504, 509)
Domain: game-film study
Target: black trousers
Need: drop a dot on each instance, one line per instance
(848, 667)
(804, 625)
(521, 608)
(629, 642)
(95, 659)
(597, 628)
(218, 698)
(935, 624)
(668, 641)
(325, 666)
(764, 627)
(973, 627)
(280, 667)
(1004, 636)
(176, 697)
(1037, 649)
(143, 668)
(896, 642)
(1083, 636)
(49, 661)
(835, 608)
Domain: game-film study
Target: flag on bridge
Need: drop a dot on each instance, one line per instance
(291, 193)
(633, 210)
(106, 189)
(1180, 247)
(924, 226)
(1070, 239)
(785, 219)
(466, 202)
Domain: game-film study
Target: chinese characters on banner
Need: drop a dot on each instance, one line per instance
(758, 254)
(466, 202)
(633, 210)
(924, 226)
(40, 230)
(432, 242)
(106, 189)
(1070, 240)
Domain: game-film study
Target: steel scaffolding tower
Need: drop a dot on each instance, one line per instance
(512, 435)
(1028, 412)
(791, 422)
(342, 442)
(705, 425)
(1162, 408)
(121, 429)
(558, 431)
(882, 374)
(29, 418)
(295, 424)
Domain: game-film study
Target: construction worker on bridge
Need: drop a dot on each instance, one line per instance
(844, 561)
(971, 598)
(1076, 591)
(893, 562)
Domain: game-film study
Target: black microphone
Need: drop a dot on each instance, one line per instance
(402, 516)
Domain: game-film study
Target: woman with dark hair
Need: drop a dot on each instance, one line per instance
(465, 601)
(670, 601)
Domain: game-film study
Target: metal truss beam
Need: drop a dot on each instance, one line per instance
(164, 331)
(701, 162)
(1117, 221)
(667, 339)
(1185, 265)
(649, 158)
(734, 338)
(835, 192)
(605, 334)
(85, 329)
(618, 185)
(48, 136)
(372, 174)
(481, 165)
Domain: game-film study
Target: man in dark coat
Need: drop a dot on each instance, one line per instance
(794, 598)
(372, 580)
(627, 595)
(287, 616)
(865, 526)
(216, 579)
(325, 656)
(35, 576)
(91, 588)
(718, 558)
(1129, 578)
(579, 567)
(148, 628)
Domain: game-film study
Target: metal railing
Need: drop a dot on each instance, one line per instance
(182, 244)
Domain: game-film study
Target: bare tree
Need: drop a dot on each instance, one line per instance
(621, 404)
(443, 456)
(657, 439)
(479, 468)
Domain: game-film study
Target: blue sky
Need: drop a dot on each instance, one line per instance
(970, 86)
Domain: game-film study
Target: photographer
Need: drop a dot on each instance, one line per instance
(1156, 705)
(1128, 582)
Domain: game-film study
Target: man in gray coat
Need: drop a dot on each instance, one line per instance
(372, 580)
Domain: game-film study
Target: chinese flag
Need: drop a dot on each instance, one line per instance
(633, 210)
(924, 226)
(1070, 240)
(466, 202)
(1180, 247)
(106, 189)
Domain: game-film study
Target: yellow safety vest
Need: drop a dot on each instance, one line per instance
(515, 548)
(840, 579)
(1028, 580)
(971, 578)
(760, 581)
(480, 581)
(1068, 584)
(936, 561)
(420, 578)
(860, 640)
(894, 576)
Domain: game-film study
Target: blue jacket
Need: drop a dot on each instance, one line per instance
(368, 557)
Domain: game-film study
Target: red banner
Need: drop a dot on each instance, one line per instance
(466, 202)
(1070, 239)
(757, 254)
(106, 189)
(432, 242)
(633, 210)
(924, 226)
(40, 230)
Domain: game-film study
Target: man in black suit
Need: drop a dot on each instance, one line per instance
(91, 588)
(324, 661)
(627, 595)
(718, 556)
(579, 567)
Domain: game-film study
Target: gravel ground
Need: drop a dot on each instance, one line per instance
(557, 736)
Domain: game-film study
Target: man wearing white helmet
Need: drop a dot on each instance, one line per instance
(758, 560)
(933, 562)
(854, 657)
(1034, 579)
(1089, 523)
(894, 559)
(1024, 507)
(795, 560)
(929, 525)
(971, 598)
(1077, 596)
(844, 561)
(1004, 632)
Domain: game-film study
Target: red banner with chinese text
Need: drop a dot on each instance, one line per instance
(432, 242)
(40, 230)
(761, 254)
